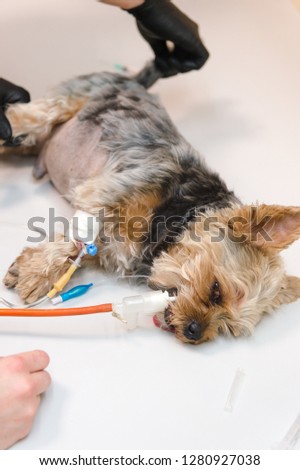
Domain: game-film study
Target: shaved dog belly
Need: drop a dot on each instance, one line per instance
(72, 154)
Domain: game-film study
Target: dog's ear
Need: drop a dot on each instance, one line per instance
(289, 292)
(268, 227)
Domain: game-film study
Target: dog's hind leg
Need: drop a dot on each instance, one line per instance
(33, 122)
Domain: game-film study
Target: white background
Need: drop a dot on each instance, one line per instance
(118, 390)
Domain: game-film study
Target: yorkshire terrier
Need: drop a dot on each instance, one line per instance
(110, 148)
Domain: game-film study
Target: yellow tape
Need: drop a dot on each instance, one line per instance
(62, 282)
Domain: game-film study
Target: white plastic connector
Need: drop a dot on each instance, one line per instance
(84, 227)
(56, 300)
(146, 304)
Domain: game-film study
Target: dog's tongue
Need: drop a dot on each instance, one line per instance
(158, 320)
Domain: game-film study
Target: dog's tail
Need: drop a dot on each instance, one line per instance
(148, 75)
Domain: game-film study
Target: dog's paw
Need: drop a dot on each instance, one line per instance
(11, 278)
(35, 270)
(29, 275)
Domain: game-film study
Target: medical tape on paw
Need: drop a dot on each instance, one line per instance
(84, 227)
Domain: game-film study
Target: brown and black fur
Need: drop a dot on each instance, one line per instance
(165, 213)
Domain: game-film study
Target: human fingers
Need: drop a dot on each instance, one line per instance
(29, 361)
(11, 93)
(40, 381)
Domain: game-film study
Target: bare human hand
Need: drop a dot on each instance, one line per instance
(22, 381)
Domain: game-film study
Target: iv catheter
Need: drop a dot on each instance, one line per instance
(128, 310)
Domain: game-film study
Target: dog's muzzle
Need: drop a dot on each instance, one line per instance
(193, 331)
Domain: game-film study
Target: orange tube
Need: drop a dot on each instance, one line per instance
(60, 312)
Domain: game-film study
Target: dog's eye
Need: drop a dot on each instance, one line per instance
(215, 293)
(173, 292)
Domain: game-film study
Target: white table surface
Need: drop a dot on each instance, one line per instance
(114, 389)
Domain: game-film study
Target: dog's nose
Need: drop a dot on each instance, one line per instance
(193, 331)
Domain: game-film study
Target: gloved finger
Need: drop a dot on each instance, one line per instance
(158, 45)
(184, 61)
(15, 141)
(183, 66)
(5, 129)
(13, 93)
(165, 67)
(160, 49)
(18, 95)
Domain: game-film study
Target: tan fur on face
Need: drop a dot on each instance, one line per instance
(251, 274)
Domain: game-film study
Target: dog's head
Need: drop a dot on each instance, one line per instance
(226, 271)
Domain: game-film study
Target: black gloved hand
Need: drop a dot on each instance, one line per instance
(9, 94)
(160, 21)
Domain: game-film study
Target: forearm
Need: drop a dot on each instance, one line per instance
(126, 4)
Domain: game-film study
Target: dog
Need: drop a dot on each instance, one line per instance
(110, 148)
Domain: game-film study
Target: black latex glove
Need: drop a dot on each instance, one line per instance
(160, 21)
(9, 94)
